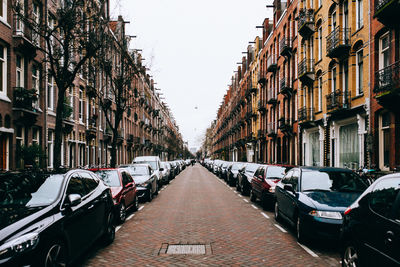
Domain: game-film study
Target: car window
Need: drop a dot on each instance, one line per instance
(295, 179)
(76, 186)
(109, 177)
(274, 172)
(89, 182)
(383, 196)
(126, 178)
(287, 178)
(340, 181)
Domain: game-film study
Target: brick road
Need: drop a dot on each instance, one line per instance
(198, 208)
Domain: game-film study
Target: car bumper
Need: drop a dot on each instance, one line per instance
(322, 228)
(142, 192)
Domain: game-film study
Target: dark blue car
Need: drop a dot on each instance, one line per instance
(314, 199)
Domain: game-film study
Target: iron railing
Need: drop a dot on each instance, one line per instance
(306, 66)
(387, 78)
(338, 37)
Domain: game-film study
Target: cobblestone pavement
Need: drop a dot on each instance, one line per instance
(199, 208)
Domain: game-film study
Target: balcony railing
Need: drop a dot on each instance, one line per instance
(271, 63)
(261, 78)
(387, 79)
(261, 106)
(260, 134)
(271, 129)
(26, 39)
(338, 43)
(306, 70)
(285, 46)
(285, 87)
(337, 101)
(387, 12)
(285, 125)
(24, 98)
(306, 114)
(306, 22)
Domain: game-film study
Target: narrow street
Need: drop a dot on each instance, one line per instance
(197, 208)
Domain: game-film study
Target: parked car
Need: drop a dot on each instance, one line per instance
(145, 179)
(233, 171)
(264, 181)
(314, 199)
(371, 226)
(155, 163)
(224, 170)
(51, 219)
(165, 172)
(174, 169)
(243, 183)
(123, 190)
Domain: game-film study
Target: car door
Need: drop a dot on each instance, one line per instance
(282, 195)
(153, 180)
(77, 224)
(257, 181)
(129, 188)
(383, 226)
(293, 195)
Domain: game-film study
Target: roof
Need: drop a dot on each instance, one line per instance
(325, 169)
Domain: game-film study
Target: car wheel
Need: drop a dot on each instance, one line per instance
(237, 185)
(350, 257)
(253, 197)
(55, 255)
(109, 234)
(135, 203)
(300, 234)
(156, 192)
(243, 189)
(277, 215)
(122, 213)
(150, 195)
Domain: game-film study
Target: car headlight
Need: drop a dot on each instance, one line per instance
(18, 245)
(145, 184)
(326, 214)
(271, 189)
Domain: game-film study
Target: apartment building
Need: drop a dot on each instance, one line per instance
(384, 141)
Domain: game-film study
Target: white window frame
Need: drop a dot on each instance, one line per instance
(3, 14)
(19, 71)
(36, 19)
(320, 43)
(71, 101)
(3, 62)
(382, 50)
(35, 140)
(81, 106)
(359, 14)
(359, 86)
(36, 84)
(50, 149)
(334, 79)
(320, 93)
(50, 92)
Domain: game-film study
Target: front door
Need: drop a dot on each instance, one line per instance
(3, 152)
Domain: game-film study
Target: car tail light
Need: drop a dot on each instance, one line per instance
(347, 211)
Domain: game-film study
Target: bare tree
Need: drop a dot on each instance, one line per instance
(69, 36)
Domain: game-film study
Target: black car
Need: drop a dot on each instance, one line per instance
(314, 199)
(232, 172)
(145, 179)
(243, 183)
(371, 226)
(51, 219)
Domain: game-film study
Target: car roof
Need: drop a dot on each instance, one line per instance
(146, 158)
(325, 169)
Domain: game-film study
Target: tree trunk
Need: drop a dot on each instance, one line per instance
(113, 162)
(58, 131)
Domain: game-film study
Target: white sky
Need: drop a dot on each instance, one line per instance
(192, 48)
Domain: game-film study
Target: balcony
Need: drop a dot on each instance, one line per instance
(261, 78)
(271, 63)
(306, 22)
(25, 105)
(306, 117)
(387, 11)
(91, 132)
(285, 125)
(121, 135)
(271, 129)
(338, 43)
(107, 135)
(306, 70)
(387, 84)
(337, 102)
(25, 41)
(272, 99)
(260, 134)
(285, 47)
(261, 106)
(285, 87)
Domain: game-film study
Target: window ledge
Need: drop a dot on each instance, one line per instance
(5, 98)
(3, 21)
(51, 113)
(354, 33)
(357, 96)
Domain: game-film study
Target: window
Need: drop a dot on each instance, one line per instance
(320, 43)
(71, 101)
(50, 149)
(50, 92)
(76, 186)
(359, 14)
(20, 71)
(35, 84)
(3, 70)
(89, 182)
(384, 51)
(126, 179)
(3, 10)
(319, 3)
(383, 197)
(35, 136)
(334, 22)
(360, 67)
(333, 79)
(320, 93)
(80, 105)
(384, 141)
(36, 19)
(19, 24)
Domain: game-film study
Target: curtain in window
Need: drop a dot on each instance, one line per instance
(315, 150)
(349, 148)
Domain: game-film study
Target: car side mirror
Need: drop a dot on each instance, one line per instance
(74, 200)
(260, 177)
(288, 187)
(161, 169)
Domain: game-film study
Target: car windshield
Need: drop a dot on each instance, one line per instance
(339, 181)
(138, 170)
(110, 178)
(153, 164)
(29, 190)
(251, 168)
(274, 172)
(236, 166)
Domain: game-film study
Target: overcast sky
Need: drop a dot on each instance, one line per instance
(192, 48)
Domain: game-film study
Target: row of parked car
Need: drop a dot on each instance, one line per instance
(326, 203)
(50, 219)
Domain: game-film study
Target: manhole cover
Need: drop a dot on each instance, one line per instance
(185, 249)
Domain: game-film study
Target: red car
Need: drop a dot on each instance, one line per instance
(123, 189)
(264, 181)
